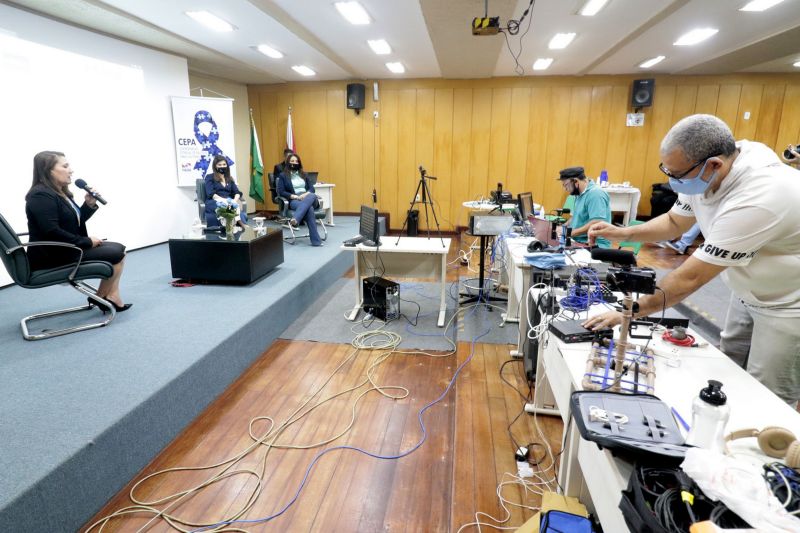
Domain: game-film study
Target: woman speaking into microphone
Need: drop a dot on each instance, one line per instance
(53, 215)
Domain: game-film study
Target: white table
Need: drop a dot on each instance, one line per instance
(595, 476)
(325, 192)
(417, 257)
(624, 199)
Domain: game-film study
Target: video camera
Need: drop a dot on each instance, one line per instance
(632, 279)
(499, 196)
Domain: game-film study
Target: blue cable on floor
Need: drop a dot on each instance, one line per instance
(360, 450)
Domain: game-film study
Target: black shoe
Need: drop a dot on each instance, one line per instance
(105, 309)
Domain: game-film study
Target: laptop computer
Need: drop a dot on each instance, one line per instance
(542, 230)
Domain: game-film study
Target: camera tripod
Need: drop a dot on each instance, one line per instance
(424, 193)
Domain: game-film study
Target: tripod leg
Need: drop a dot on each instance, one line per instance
(411, 207)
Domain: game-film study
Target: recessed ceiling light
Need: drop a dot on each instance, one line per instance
(396, 67)
(695, 36)
(380, 47)
(592, 7)
(269, 51)
(303, 70)
(650, 62)
(561, 40)
(760, 5)
(353, 12)
(542, 63)
(796, 64)
(211, 21)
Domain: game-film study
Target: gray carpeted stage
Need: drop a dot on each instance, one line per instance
(82, 414)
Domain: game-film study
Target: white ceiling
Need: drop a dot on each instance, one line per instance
(432, 38)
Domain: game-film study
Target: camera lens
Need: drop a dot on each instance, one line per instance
(787, 154)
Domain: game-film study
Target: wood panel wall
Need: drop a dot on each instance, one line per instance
(472, 134)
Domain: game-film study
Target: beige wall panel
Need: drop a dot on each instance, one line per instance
(337, 173)
(617, 135)
(789, 130)
(481, 129)
(498, 145)
(538, 136)
(661, 120)
(770, 115)
(750, 101)
(728, 103)
(388, 122)
(521, 131)
(578, 126)
(518, 139)
(599, 118)
(462, 154)
(707, 96)
(424, 145)
(556, 157)
(443, 157)
(406, 154)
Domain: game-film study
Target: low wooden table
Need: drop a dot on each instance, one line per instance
(242, 257)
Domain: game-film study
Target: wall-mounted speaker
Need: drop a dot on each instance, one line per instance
(355, 96)
(642, 93)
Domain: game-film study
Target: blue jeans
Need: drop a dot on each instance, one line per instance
(304, 211)
(688, 238)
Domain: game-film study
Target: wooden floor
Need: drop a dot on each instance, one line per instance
(439, 487)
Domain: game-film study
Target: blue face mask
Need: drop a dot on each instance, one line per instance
(693, 186)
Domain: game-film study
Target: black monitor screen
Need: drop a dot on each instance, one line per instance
(525, 204)
(368, 227)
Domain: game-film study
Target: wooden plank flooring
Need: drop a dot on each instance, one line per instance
(437, 488)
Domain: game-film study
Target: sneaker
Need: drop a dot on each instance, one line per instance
(320, 244)
(677, 247)
(661, 244)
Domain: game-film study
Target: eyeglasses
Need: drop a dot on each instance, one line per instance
(679, 177)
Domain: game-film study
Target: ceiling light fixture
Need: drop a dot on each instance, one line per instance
(542, 63)
(353, 12)
(653, 61)
(592, 7)
(303, 70)
(380, 47)
(796, 64)
(695, 36)
(396, 67)
(760, 5)
(560, 40)
(211, 21)
(269, 51)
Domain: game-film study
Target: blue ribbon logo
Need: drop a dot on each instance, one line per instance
(208, 142)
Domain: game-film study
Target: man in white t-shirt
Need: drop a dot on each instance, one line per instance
(747, 204)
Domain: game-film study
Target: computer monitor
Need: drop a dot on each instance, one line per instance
(368, 226)
(543, 231)
(525, 200)
(312, 177)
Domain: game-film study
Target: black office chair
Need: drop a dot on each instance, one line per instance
(285, 213)
(200, 190)
(15, 259)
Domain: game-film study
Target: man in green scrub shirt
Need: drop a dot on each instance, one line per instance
(591, 204)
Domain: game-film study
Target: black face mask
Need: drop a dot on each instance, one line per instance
(576, 191)
(223, 170)
(294, 166)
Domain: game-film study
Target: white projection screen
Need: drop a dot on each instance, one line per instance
(106, 105)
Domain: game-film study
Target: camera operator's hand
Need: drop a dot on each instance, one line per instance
(606, 320)
(609, 231)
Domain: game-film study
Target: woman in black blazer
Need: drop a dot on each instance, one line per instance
(53, 215)
(294, 185)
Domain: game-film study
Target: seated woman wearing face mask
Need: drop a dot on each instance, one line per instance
(294, 185)
(221, 190)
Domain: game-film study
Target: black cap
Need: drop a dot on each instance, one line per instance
(572, 173)
(713, 393)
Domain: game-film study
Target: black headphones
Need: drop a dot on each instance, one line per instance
(535, 246)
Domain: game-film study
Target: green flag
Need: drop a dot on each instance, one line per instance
(256, 166)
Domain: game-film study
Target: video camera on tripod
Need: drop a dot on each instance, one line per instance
(500, 197)
(626, 277)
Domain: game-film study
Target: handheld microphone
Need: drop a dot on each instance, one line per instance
(82, 184)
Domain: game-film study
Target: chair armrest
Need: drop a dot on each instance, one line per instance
(22, 234)
(52, 243)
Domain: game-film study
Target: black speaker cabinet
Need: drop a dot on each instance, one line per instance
(355, 96)
(642, 93)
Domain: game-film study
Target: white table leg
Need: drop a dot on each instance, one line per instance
(354, 313)
(442, 297)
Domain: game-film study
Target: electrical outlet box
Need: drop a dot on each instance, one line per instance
(634, 120)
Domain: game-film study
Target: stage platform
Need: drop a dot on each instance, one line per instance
(80, 415)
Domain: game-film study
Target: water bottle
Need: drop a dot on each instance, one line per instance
(603, 178)
(710, 413)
